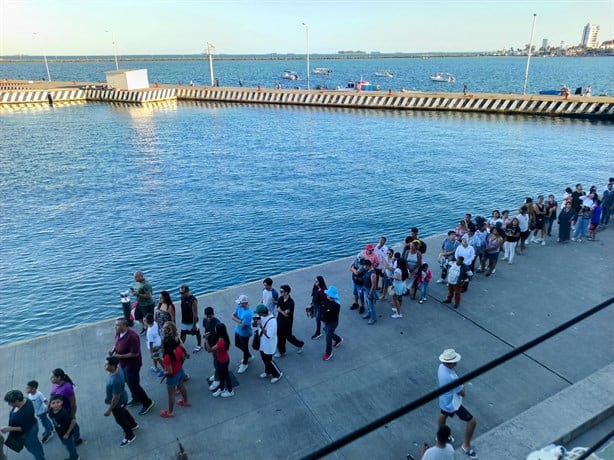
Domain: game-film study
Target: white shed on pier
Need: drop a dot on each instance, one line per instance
(128, 79)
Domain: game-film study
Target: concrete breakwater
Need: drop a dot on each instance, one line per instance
(601, 108)
(377, 369)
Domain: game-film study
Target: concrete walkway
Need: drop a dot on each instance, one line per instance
(377, 369)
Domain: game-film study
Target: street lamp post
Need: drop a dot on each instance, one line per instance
(114, 50)
(46, 64)
(210, 49)
(526, 73)
(308, 73)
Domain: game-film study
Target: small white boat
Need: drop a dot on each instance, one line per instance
(384, 73)
(443, 77)
(289, 75)
(322, 71)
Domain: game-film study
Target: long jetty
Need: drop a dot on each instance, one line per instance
(573, 106)
(550, 393)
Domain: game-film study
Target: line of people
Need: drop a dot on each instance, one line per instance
(377, 272)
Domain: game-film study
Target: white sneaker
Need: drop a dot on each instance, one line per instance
(216, 393)
(276, 379)
(504, 258)
(214, 385)
(277, 354)
(242, 368)
(300, 350)
(543, 243)
(441, 280)
(397, 316)
(227, 394)
(264, 375)
(211, 379)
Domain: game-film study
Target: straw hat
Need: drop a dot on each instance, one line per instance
(449, 356)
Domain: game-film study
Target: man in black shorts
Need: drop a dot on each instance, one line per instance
(451, 403)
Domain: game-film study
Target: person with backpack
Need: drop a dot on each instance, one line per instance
(457, 274)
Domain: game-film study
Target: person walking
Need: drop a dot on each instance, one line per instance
(127, 349)
(209, 325)
(117, 398)
(243, 331)
(314, 309)
(285, 320)
(174, 356)
(266, 327)
(451, 402)
(62, 384)
(23, 426)
(189, 317)
(369, 292)
(144, 297)
(222, 358)
(64, 425)
(330, 317)
(456, 275)
(442, 450)
(40, 408)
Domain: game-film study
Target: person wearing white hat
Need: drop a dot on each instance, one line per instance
(451, 403)
(243, 331)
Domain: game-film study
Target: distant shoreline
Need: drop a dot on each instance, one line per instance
(267, 57)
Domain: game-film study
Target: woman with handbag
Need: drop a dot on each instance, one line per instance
(23, 425)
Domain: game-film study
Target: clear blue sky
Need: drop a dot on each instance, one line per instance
(77, 27)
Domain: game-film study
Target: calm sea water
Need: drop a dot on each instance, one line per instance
(216, 195)
(480, 74)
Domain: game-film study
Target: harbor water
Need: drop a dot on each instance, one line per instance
(215, 195)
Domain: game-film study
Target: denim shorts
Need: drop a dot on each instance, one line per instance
(174, 380)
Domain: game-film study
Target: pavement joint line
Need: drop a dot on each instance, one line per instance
(492, 334)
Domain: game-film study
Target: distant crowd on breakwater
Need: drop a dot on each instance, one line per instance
(376, 273)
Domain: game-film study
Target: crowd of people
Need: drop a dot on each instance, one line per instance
(377, 273)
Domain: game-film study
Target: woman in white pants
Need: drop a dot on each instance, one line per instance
(512, 235)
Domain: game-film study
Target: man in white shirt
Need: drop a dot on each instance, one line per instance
(442, 450)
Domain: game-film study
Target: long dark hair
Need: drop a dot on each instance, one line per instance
(402, 265)
(60, 374)
(165, 297)
(321, 282)
(222, 333)
(169, 344)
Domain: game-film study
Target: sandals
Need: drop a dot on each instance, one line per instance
(165, 414)
(181, 402)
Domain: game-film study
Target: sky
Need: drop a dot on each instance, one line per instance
(93, 27)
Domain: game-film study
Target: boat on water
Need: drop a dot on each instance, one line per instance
(443, 77)
(289, 75)
(322, 71)
(384, 73)
(360, 85)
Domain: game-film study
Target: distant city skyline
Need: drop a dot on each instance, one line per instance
(95, 27)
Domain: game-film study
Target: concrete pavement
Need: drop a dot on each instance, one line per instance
(377, 369)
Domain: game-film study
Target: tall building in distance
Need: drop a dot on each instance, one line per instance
(545, 44)
(590, 36)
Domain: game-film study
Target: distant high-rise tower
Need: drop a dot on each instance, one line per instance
(545, 44)
(590, 35)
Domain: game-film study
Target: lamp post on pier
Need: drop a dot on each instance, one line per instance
(526, 73)
(210, 49)
(308, 73)
(114, 49)
(45, 59)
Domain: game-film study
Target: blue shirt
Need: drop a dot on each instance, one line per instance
(246, 316)
(446, 375)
